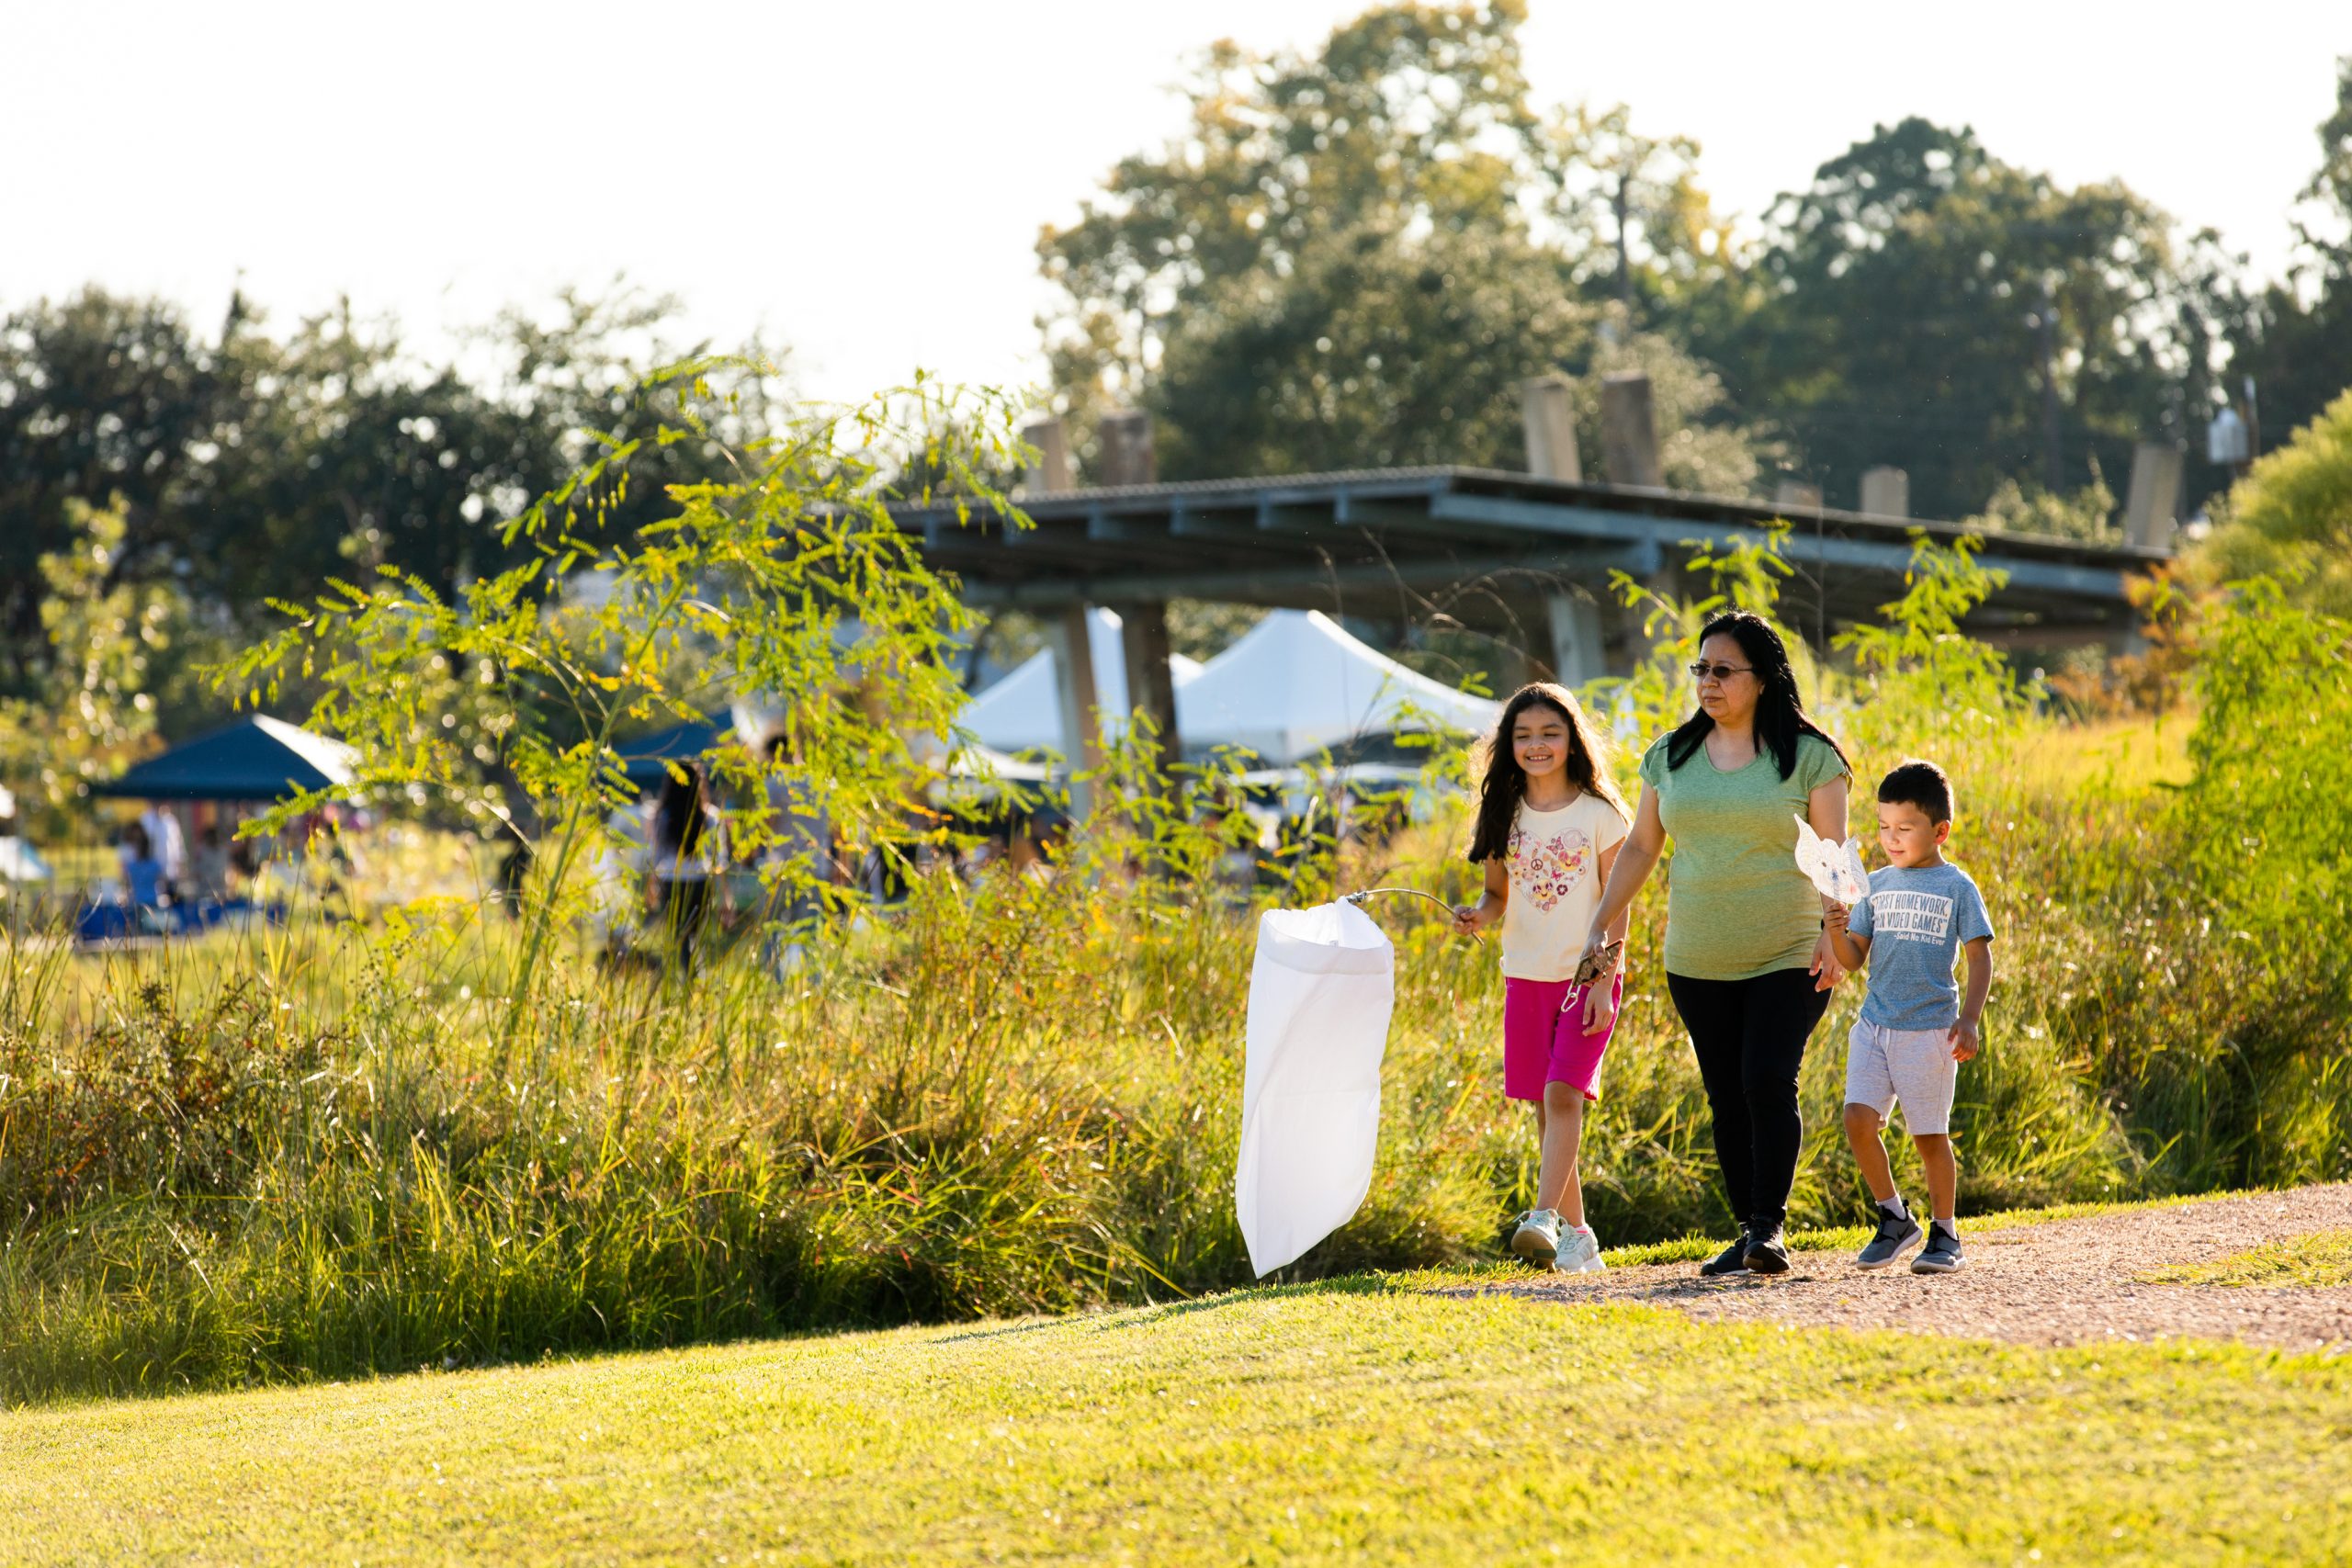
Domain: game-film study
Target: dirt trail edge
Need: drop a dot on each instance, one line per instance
(2063, 1282)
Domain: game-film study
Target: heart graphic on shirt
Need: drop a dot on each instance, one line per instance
(1548, 866)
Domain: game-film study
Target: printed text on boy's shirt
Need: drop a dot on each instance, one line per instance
(1911, 917)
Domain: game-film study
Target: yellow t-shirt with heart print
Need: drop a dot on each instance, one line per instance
(1554, 858)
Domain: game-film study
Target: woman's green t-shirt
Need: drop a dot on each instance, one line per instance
(1736, 906)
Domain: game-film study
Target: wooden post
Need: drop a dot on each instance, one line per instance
(1068, 634)
(1049, 468)
(2154, 502)
(1126, 456)
(1886, 493)
(1142, 639)
(1069, 637)
(1629, 431)
(1513, 666)
(1547, 411)
(1576, 637)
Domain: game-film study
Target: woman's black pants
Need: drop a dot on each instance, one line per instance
(1749, 1036)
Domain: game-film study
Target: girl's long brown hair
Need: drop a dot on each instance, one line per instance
(1504, 782)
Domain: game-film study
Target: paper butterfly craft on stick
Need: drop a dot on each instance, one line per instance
(1836, 869)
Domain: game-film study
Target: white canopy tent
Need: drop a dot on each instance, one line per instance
(971, 772)
(1298, 682)
(19, 861)
(1023, 713)
(965, 767)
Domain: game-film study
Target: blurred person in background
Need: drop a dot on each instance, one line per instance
(143, 873)
(623, 863)
(169, 844)
(211, 864)
(688, 846)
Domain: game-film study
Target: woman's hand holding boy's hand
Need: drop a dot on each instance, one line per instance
(1826, 968)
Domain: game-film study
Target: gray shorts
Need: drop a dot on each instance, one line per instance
(1913, 1065)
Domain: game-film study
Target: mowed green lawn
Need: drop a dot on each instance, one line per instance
(1356, 1423)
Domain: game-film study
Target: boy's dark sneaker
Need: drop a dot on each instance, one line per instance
(1768, 1252)
(1942, 1255)
(1897, 1235)
(1732, 1259)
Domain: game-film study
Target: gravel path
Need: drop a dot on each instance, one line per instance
(2063, 1282)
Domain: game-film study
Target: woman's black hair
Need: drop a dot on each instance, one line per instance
(1504, 782)
(1781, 717)
(677, 820)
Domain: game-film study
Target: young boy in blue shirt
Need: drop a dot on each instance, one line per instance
(1915, 1029)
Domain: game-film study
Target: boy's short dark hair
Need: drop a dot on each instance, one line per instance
(1918, 783)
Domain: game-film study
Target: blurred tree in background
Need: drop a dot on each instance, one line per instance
(101, 400)
(1925, 304)
(108, 644)
(1351, 256)
(1412, 117)
(1353, 259)
(2296, 341)
(251, 466)
(1373, 349)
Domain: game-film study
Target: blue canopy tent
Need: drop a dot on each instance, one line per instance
(257, 757)
(644, 759)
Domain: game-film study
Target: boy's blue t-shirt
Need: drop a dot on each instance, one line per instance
(1916, 920)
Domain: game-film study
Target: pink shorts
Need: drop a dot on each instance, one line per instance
(1543, 1037)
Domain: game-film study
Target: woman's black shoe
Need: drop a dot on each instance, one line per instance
(1732, 1259)
(1768, 1252)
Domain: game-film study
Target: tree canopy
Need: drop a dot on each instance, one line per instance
(1924, 303)
(1352, 258)
(250, 466)
(1351, 255)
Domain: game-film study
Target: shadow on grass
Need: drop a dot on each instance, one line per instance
(1513, 1277)
(1337, 1285)
(1004, 1331)
(1144, 1316)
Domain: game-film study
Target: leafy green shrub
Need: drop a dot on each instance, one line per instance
(2291, 518)
(156, 1103)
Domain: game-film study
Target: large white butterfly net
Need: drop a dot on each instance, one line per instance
(1320, 993)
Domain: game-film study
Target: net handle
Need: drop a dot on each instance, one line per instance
(1358, 899)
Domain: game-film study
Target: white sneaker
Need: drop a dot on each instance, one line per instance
(1538, 1236)
(1578, 1252)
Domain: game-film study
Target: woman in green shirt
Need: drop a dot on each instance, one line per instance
(1745, 961)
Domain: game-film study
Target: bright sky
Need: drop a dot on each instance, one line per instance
(864, 182)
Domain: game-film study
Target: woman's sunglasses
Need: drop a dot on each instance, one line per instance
(1701, 669)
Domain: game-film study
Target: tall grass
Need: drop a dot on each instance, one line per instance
(321, 1151)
